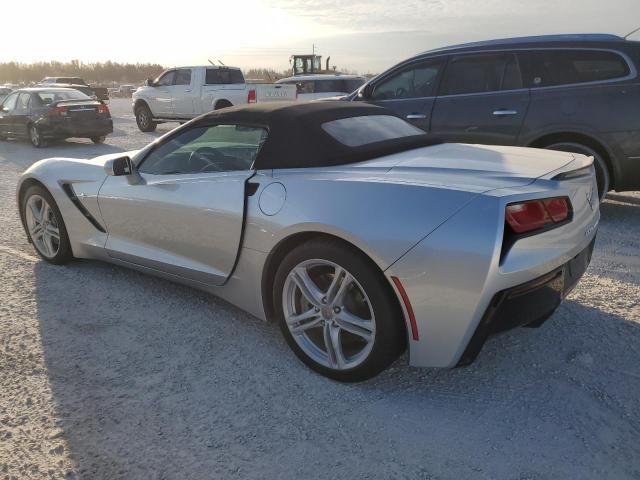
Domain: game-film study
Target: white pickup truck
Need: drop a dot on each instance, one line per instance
(180, 94)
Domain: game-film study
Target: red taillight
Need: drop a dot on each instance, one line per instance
(102, 108)
(251, 98)
(57, 110)
(536, 214)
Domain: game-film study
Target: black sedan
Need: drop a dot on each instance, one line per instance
(47, 113)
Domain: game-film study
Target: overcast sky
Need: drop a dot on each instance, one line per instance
(364, 36)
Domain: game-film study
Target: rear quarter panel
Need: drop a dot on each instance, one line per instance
(383, 219)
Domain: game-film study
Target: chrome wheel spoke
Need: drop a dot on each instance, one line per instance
(307, 286)
(36, 230)
(344, 282)
(355, 325)
(303, 321)
(333, 346)
(53, 232)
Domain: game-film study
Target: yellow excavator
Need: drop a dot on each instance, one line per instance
(308, 64)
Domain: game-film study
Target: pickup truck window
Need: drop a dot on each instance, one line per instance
(219, 148)
(223, 76)
(183, 77)
(166, 79)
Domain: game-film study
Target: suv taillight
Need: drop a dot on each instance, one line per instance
(102, 108)
(524, 217)
(251, 97)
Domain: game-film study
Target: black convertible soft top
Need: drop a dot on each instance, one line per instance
(296, 138)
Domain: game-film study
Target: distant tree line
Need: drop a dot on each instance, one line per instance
(103, 73)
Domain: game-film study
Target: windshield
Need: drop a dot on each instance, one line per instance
(358, 131)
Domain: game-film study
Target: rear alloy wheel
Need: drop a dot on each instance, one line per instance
(99, 139)
(35, 136)
(45, 226)
(144, 119)
(337, 312)
(602, 171)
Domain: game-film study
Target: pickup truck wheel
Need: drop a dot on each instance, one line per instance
(144, 119)
(222, 104)
(99, 139)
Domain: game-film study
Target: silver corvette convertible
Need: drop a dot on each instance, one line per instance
(352, 229)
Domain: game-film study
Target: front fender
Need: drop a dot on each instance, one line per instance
(85, 177)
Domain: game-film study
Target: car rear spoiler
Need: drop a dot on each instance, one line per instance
(580, 165)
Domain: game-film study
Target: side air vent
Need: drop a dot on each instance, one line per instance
(68, 189)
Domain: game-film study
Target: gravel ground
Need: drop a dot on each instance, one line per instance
(107, 374)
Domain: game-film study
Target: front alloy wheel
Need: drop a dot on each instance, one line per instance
(45, 226)
(337, 310)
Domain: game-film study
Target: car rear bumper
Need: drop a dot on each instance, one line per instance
(453, 275)
(94, 127)
(529, 304)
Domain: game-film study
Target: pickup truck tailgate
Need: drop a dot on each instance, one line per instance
(274, 92)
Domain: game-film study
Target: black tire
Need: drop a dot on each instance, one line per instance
(603, 177)
(390, 334)
(35, 136)
(223, 104)
(64, 253)
(144, 119)
(98, 140)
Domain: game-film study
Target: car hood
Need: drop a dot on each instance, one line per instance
(476, 168)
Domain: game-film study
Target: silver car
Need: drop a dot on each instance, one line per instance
(356, 232)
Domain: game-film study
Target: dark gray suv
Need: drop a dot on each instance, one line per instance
(577, 93)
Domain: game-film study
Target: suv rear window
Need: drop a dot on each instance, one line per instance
(563, 67)
(481, 73)
(217, 76)
(358, 131)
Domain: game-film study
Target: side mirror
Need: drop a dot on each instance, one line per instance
(118, 167)
(121, 167)
(149, 82)
(365, 91)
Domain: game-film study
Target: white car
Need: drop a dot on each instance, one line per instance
(180, 94)
(323, 86)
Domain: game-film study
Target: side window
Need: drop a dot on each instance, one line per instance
(481, 73)
(563, 67)
(307, 86)
(9, 104)
(23, 102)
(183, 77)
(222, 76)
(167, 79)
(415, 81)
(218, 148)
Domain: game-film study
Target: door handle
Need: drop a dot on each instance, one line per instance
(504, 113)
(416, 116)
(188, 90)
